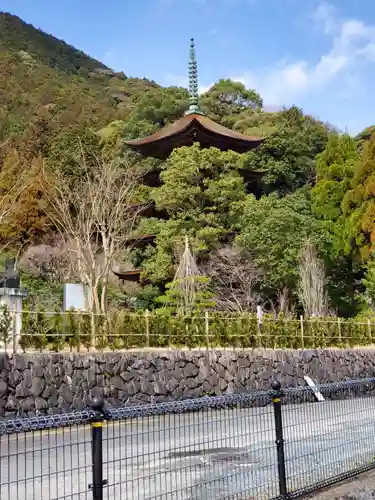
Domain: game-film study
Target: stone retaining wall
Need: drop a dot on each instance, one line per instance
(54, 382)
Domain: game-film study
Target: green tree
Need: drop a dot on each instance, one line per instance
(369, 282)
(359, 206)
(226, 99)
(155, 109)
(274, 230)
(198, 188)
(288, 154)
(173, 298)
(365, 135)
(335, 168)
(199, 185)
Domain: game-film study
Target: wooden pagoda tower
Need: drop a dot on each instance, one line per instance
(193, 127)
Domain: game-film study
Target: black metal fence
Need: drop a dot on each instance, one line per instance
(273, 444)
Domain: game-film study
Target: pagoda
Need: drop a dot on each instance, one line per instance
(193, 127)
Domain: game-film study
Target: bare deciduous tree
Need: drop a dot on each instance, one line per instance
(283, 305)
(48, 261)
(234, 277)
(312, 285)
(95, 217)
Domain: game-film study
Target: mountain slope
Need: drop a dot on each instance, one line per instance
(16, 35)
(49, 84)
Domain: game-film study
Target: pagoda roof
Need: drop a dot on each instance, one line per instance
(191, 128)
(141, 239)
(133, 275)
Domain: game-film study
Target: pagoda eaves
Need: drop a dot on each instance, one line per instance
(133, 275)
(191, 128)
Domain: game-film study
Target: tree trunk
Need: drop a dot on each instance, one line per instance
(103, 297)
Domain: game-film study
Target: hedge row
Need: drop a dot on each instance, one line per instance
(121, 330)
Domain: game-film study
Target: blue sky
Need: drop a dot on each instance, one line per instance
(316, 54)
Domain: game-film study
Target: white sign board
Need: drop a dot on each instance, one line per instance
(76, 297)
(319, 396)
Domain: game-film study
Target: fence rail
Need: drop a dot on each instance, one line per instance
(272, 444)
(58, 331)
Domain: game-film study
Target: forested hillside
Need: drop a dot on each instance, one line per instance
(63, 113)
(51, 87)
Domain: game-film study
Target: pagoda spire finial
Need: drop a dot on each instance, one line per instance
(193, 82)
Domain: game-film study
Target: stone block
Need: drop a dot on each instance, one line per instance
(118, 383)
(37, 386)
(3, 388)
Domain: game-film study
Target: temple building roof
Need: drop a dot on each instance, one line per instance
(133, 275)
(193, 127)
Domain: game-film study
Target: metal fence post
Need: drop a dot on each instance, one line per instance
(276, 399)
(97, 405)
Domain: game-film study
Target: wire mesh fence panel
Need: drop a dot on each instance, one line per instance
(207, 449)
(234, 447)
(329, 440)
(53, 464)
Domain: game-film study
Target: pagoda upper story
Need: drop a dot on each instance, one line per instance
(193, 127)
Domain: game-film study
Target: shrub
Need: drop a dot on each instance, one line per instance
(120, 329)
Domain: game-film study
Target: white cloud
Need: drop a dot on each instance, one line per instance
(203, 88)
(369, 52)
(352, 43)
(325, 16)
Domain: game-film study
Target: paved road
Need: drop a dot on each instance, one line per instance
(198, 456)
